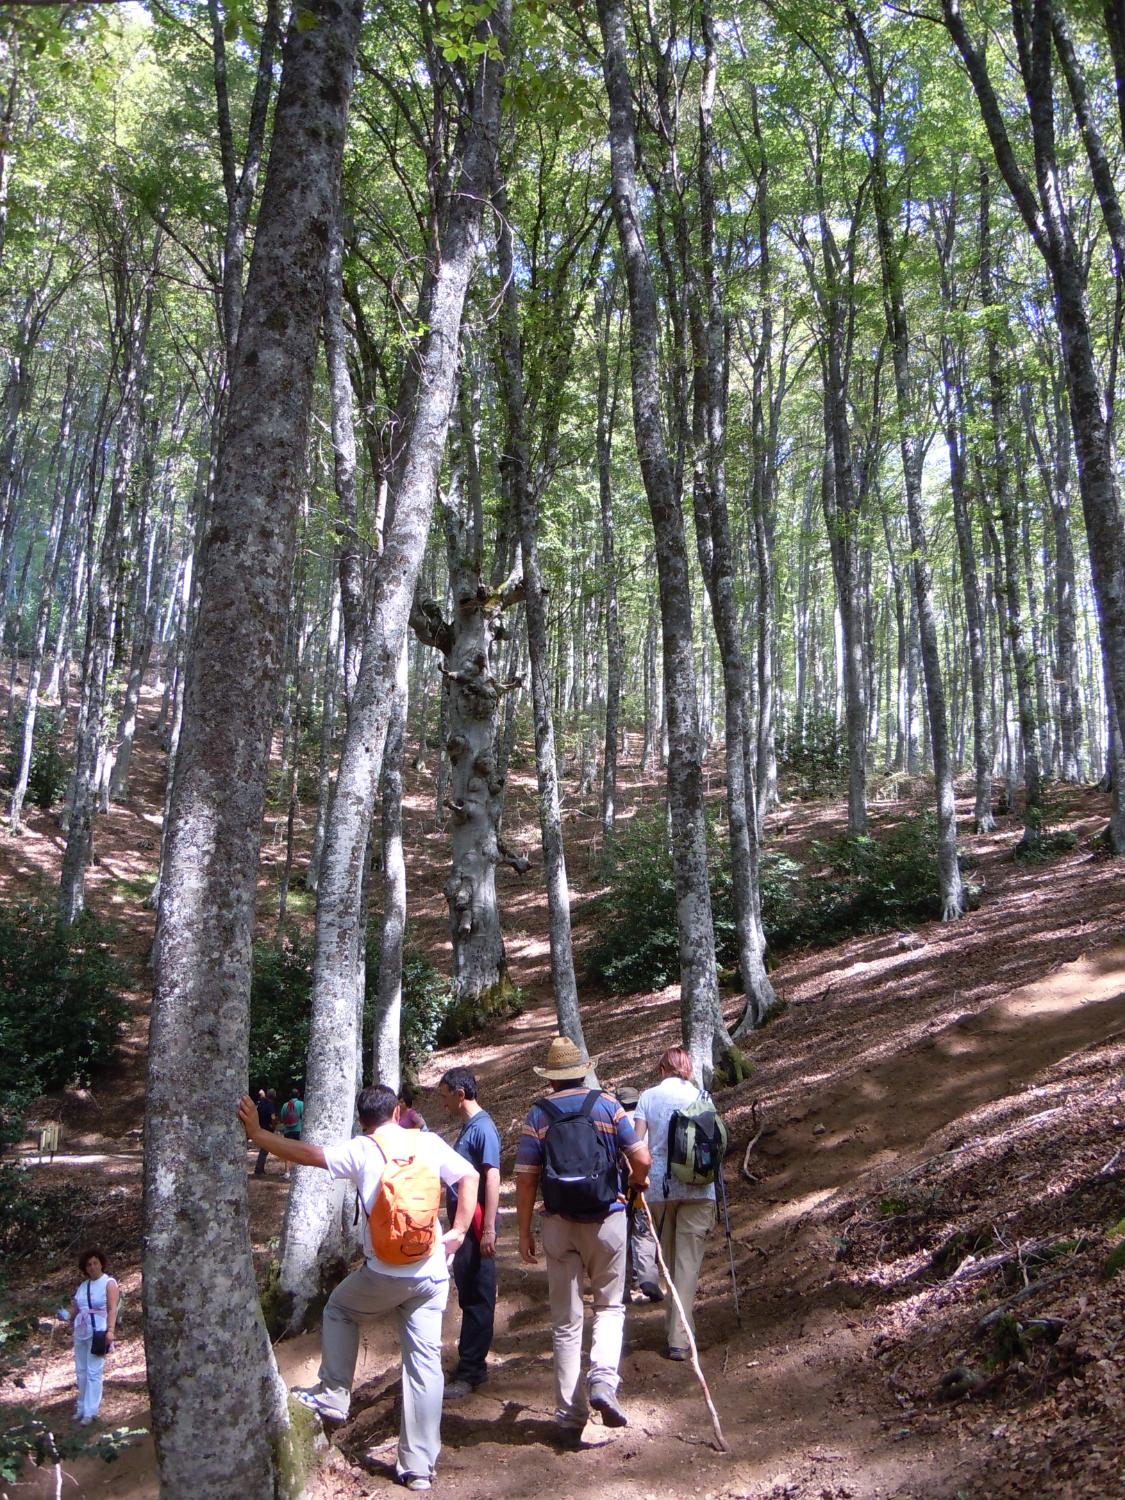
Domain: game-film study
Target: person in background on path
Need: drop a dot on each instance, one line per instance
(95, 1312)
(409, 1117)
(267, 1118)
(587, 1241)
(642, 1273)
(291, 1120)
(474, 1265)
(416, 1293)
(684, 1214)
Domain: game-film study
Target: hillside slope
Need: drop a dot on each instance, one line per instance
(936, 1129)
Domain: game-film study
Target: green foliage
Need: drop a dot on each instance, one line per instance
(869, 883)
(281, 1004)
(27, 1435)
(426, 1001)
(813, 756)
(636, 946)
(1041, 842)
(50, 766)
(60, 1003)
(849, 885)
(60, 1014)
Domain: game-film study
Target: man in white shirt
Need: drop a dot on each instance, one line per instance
(415, 1293)
(684, 1213)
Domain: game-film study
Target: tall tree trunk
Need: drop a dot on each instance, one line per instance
(1054, 474)
(894, 303)
(104, 585)
(515, 460)
(607, 406)
(699, 1000)
(1046, 215)
(62, 518)
(327, 734)
(983, 820)
(310, 1238)
(1009, 521)
(197, 1247)
(717, 562)
(386, 1050)
(470, 645)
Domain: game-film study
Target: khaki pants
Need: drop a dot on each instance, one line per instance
(417, 1303)
(683, 1225)
(576, 1251)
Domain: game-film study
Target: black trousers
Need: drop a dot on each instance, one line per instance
(475, 1278)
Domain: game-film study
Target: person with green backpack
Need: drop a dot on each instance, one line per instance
(679, 1124)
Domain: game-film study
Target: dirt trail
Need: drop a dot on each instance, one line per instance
(893, 1050)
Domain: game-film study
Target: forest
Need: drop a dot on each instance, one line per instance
(579, 516)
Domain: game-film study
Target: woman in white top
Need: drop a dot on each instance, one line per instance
(95, 1311)
(684, 1213)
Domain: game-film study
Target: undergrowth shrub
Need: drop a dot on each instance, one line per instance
(812, 757)
(845, 886)
(1040, 841)
(61, 1011)
(281, 1003)
(50, 765)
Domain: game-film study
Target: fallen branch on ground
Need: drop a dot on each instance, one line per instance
(753, 1141)
(1033, 1250)
(990, 1319)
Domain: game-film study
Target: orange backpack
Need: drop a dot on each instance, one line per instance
(403, 1222)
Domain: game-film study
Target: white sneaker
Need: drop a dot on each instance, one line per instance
(416, 1482)
(315, 1401)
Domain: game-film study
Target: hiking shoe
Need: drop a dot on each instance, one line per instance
(316, 1401)
(415, 1482)
(603, 1399)
(568, 1439)
(653, 1292)
(679, 1355)
(458, 1388)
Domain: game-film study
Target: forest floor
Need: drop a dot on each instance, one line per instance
(936, 1134)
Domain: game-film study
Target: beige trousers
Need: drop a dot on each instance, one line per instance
(416, 1303)
(683, 1225)
(574, 1252)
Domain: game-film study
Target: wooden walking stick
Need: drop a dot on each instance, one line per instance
(720, 1441)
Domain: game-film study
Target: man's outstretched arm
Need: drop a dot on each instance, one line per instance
(301, 1153)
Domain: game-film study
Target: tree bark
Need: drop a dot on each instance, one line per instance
(1045, 213)
(516, 463)
(133, 314)
(309, 1241)
(1009, 521)
(898, 333)
(699, 1000)
(386, 1051)
(52, 562)
(197, 1249)
(607, 406)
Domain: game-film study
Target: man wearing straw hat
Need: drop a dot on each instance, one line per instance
(571, 1142)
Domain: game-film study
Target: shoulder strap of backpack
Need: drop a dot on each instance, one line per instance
(590, 1103)
(552, 1111)
(386, 1159)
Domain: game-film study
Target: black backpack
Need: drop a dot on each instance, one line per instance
(579, 1174)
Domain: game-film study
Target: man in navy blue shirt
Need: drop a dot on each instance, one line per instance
(474, 1265)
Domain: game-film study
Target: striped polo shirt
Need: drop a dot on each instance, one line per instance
(612, 1123)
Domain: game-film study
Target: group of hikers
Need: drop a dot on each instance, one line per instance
(584, 1156)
